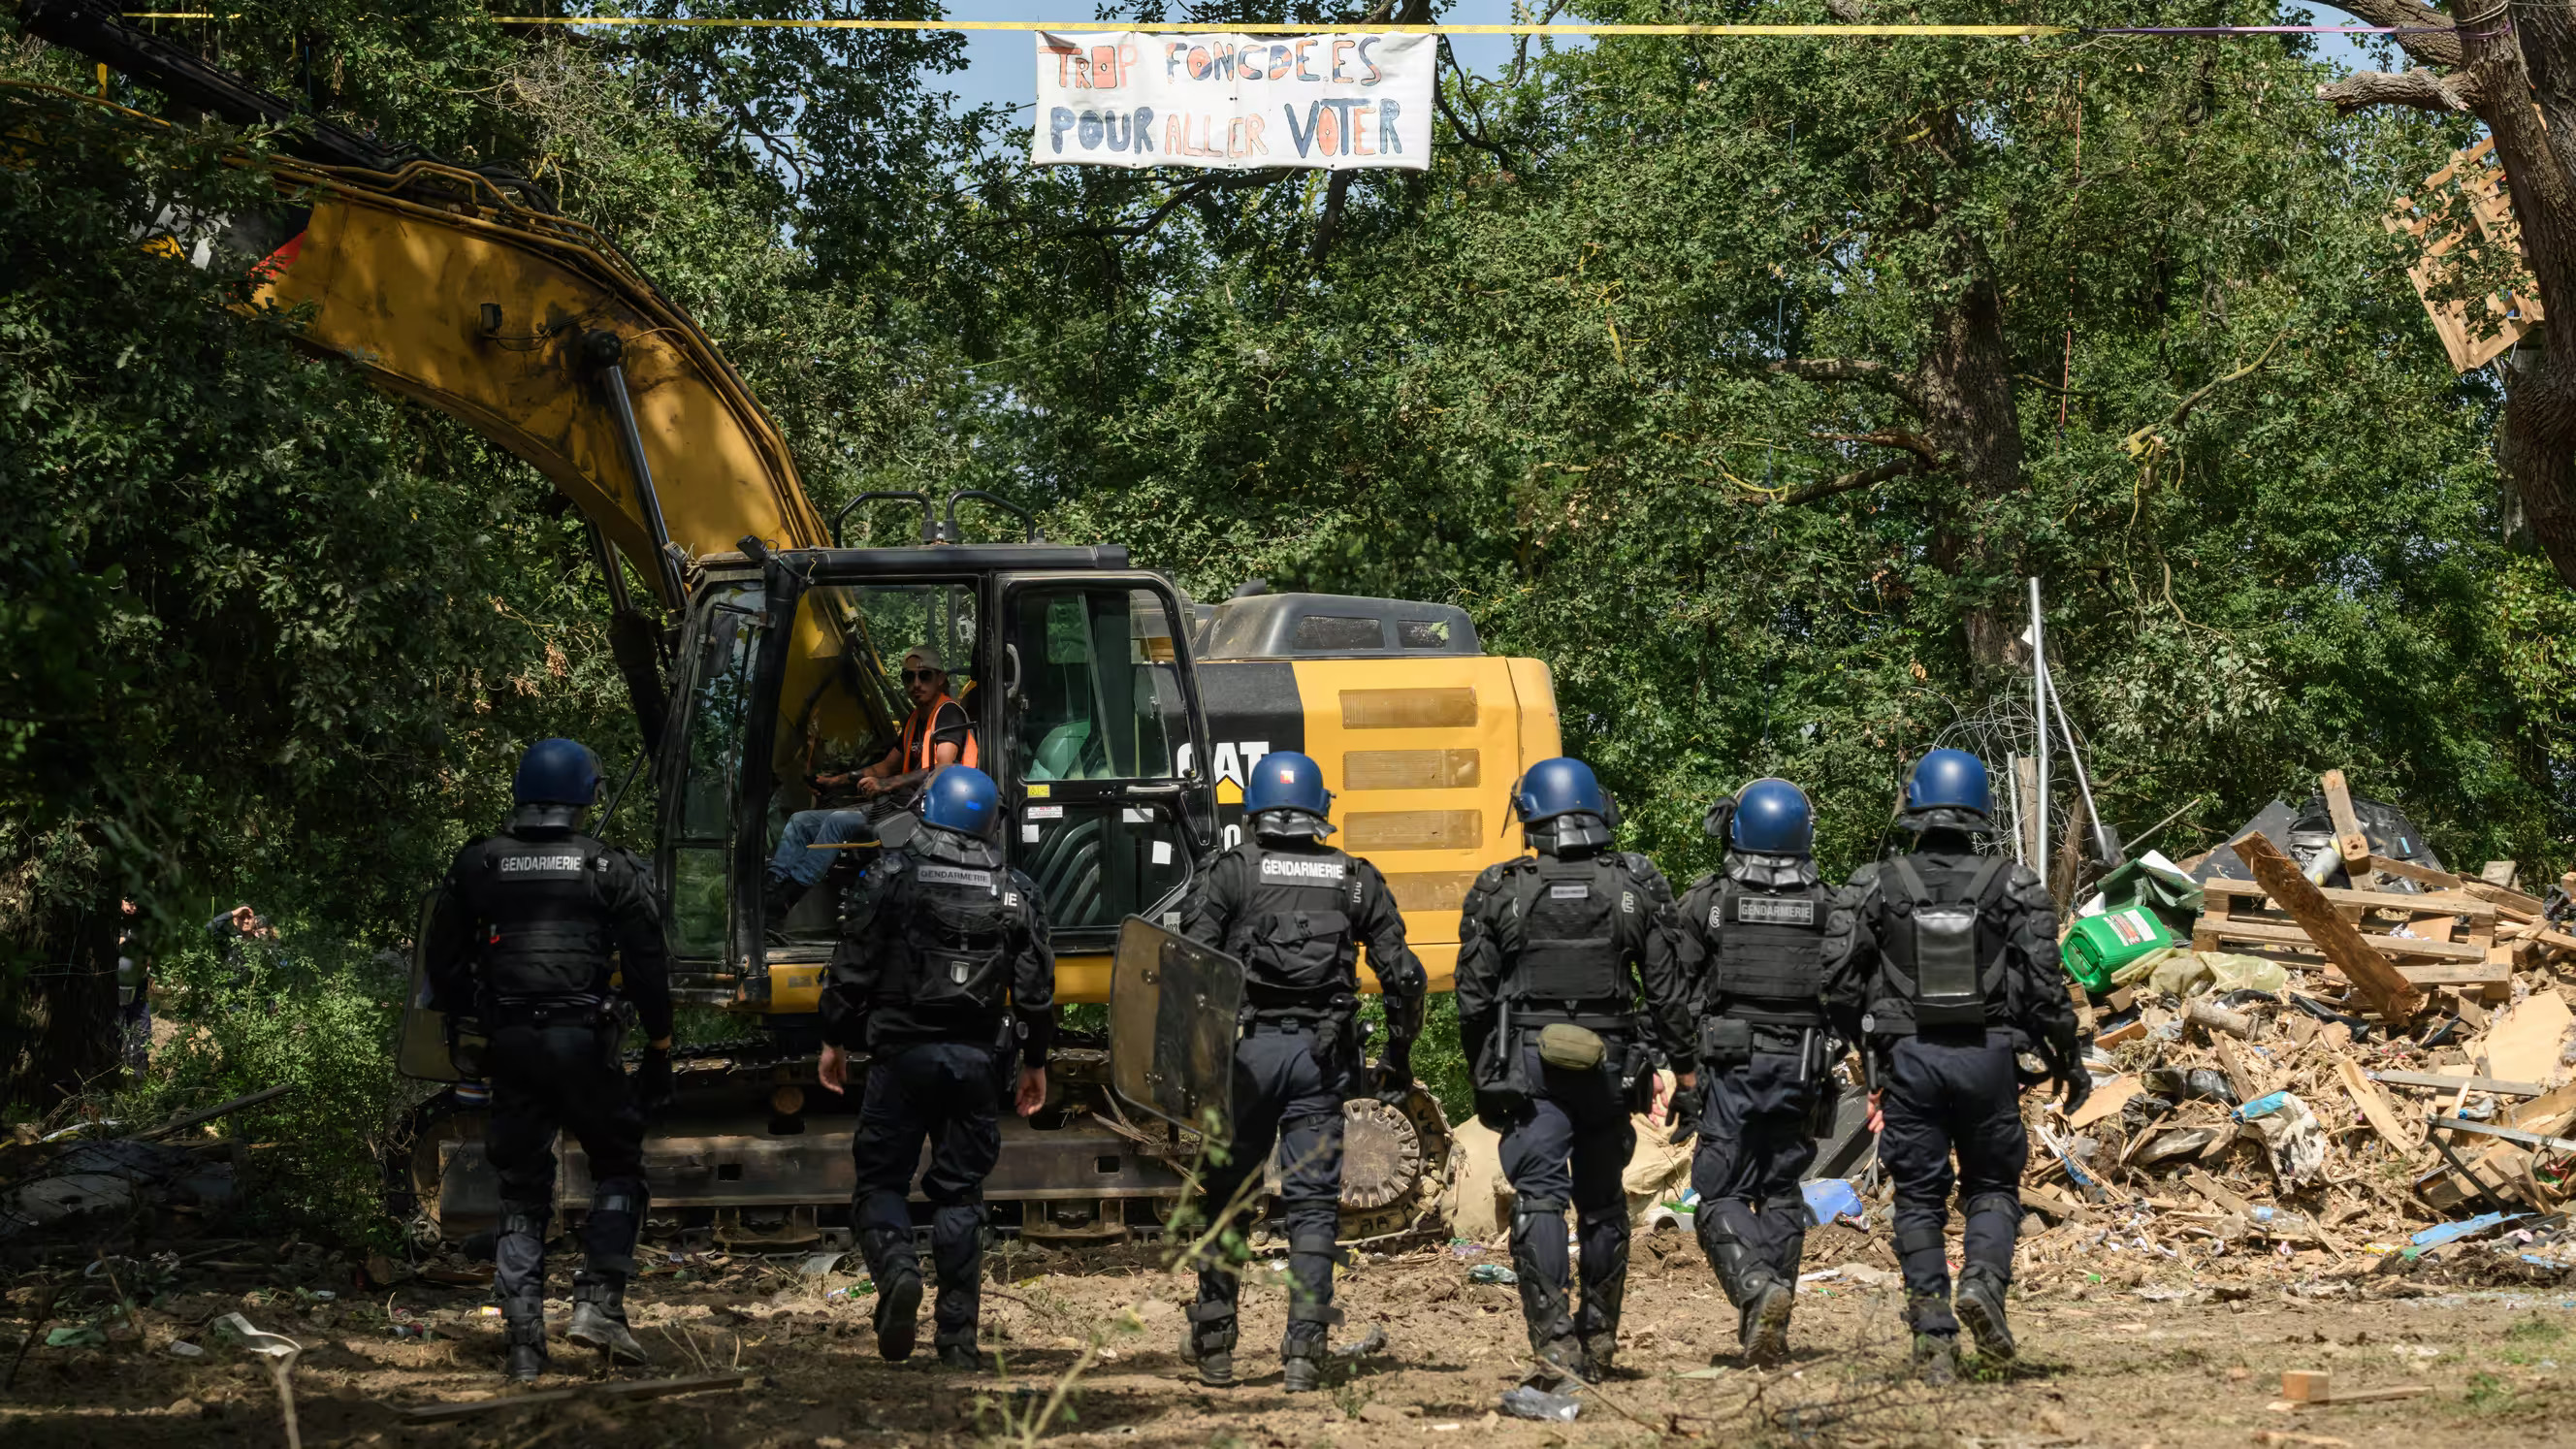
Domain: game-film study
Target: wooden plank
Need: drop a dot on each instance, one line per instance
(2374, 1105)
(2522, 1044)
(449, 1413)
(2420, 874)
(2216, 1191)
(2349, 836)
(2452, 1084)
(2284, 933)
(2500, 873)
(2396, 997)
(2458, 903)
(2247, 1089)
(2065, 1209)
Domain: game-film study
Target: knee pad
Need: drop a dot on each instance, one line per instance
(1304, 1240)
(526, 1219)
(2003, 1204)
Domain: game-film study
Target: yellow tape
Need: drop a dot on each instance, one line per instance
(1211, 29)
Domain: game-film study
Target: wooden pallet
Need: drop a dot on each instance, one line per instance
(2451, 940)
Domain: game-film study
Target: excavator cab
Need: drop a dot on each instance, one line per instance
(1079, 701)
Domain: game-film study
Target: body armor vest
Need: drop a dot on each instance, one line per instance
(543, 913)
(957, 937)
(1294, 935)
(1941, 955)
(1577, 921)
(1770, 965)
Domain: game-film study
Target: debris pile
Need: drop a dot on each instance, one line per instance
(2317, 1044)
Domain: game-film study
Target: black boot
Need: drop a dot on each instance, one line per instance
(1605, 1289)
(1302, 1352)
(1979, 1300)
(898, 1275)
(1538, 1260)
(519, 1281)
(599, 1318)
(1208, 1342)
(957, 1258)
(524, 1327)
(1936, 1338)
(1762, 1300)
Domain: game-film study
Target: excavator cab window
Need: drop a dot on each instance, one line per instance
(843, 707)
(1094, 721)
(722, 648)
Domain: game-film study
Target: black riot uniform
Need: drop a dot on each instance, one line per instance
(1956, 953)
(1553, 949)
(1769, 945)
(945, 977)
(1294, 910)
(520, 943)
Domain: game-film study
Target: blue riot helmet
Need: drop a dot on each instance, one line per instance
(1560, 786)
(1772, 817)
(1950, 780)
(1285, 795)
(962, 799)
(1562, 808)
(556, 772)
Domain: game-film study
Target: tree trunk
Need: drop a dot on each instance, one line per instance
(1964, 391)
(62, 1033)
(2536, 451)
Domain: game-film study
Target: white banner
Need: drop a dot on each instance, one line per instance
(1234, 102)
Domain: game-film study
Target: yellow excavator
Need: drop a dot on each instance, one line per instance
(1118, 715)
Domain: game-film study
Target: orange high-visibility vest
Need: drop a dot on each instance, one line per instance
(917, 743)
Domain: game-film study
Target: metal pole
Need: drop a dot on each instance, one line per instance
(2039, 703)
(2106, 841)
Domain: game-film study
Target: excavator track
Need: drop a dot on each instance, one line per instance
(755, 1155)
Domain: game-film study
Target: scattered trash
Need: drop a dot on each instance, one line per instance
(1831, 1198)
(1525, 1402)
(820, 1264)
(182, 1348)
(279, 1353)
(77, 1336)
(2435, 1237)
(1492, 1273)
(865, 1287)
(1367, 1344)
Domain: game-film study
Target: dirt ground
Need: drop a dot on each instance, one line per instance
(2115, 1352)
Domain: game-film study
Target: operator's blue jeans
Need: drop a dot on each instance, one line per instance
(804, 849)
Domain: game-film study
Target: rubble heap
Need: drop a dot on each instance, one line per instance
(2324, 1047)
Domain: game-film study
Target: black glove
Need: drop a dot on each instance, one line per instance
(2078, 1084)
(1394, 1082)
(653, 1081)
(2065, 1057)
(1687, 1104)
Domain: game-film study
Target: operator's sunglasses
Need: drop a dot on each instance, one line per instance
(920, 676)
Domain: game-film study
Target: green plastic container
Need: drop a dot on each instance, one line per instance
(2100, 945)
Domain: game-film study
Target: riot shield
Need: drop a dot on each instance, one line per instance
(421, 1051)
(1172, 1027)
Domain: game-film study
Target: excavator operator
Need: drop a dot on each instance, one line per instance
(938, 732)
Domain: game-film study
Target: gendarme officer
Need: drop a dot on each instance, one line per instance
(1758, 935)
(1294, 910)
(519, 946)
(1552, 951)
(945, 977)
(1957, 955)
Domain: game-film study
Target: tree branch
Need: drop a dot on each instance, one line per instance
(2430, 49)
(1914, 443)
(1866, 478)
(1846, 369)
(2419, 88)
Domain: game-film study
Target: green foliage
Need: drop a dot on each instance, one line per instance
(307, 1011)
